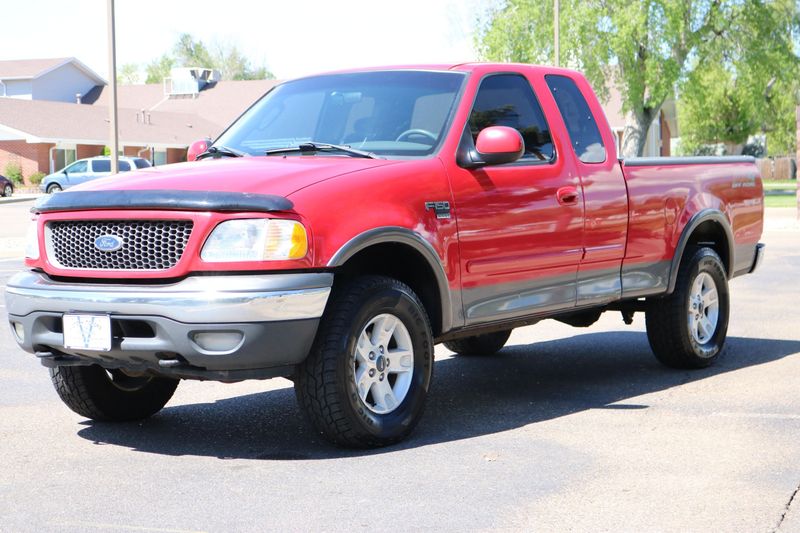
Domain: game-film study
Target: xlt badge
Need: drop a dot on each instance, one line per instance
(442, 209)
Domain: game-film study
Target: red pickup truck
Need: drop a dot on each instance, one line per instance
(348, 222)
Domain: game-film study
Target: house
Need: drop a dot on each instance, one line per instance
(43, 128)
(62, 79)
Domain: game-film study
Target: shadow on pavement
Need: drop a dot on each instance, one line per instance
(471, 396)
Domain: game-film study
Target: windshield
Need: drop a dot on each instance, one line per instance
(388, 113)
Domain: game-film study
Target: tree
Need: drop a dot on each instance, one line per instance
(746, 87)
(644, 48)
(714, 108)
(158, 69)
(128, 74)
(191, 52)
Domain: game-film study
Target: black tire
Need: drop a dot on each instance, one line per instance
(8, 190)
(668, 318)
(53, 187)
(325, 383)
(486, 344)
(111, 396)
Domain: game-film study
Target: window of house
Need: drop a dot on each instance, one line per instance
(508, 100)
(159, 157)
(63, 157)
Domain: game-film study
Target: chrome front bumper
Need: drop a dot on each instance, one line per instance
(272, 320)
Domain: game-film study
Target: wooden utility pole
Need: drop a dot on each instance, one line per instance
(112, 81)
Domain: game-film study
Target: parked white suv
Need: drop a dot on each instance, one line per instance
(88, 169)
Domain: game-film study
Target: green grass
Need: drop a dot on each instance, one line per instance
(780, 184)
(780, 201)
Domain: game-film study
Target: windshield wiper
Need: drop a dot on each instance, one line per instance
(312, 147)
(217, 151)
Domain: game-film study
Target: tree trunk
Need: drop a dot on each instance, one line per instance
(634, 138)
(732, 148)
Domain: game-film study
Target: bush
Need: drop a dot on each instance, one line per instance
(14, 172)
(36, 178)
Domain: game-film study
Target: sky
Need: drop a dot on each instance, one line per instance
(291, 38)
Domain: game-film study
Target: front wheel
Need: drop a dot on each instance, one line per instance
(53, 188)
(687, 329)
(111, 395)
(365, 381)
(8, 190)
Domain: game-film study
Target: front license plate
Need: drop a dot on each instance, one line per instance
(87, 332)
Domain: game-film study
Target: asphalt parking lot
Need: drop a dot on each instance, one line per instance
(564, 430)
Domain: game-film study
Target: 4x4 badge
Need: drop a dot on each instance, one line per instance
(442, 209)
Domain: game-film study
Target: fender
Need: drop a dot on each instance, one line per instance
(704, 215)
(396, 234)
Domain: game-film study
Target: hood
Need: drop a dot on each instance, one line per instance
(275, 175)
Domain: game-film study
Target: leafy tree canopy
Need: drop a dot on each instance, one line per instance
(648, 49)
(191, 52)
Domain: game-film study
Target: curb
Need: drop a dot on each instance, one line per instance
(17, 199)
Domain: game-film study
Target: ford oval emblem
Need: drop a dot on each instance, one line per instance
(108, 243)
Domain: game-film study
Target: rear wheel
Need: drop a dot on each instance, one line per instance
(111, 395)
(53, 187)
(8, 190)
(687, 329)
(365, 381)
(487, 344)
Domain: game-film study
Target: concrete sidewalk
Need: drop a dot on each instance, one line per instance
(20, 198)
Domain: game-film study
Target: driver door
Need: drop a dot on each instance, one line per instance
(520, 224)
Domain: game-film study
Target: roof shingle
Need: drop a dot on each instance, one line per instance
(29, 68)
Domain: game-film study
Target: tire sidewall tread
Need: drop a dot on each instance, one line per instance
(325, 384)
(667, 319)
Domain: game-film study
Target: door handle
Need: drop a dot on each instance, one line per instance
(567, 195)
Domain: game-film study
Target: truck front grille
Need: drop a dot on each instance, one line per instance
(145, 244)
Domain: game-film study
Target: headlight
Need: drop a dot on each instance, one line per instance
(32, 241)
(259, 239)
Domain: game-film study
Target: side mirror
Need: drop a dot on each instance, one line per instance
(497, 145)
(196, 148)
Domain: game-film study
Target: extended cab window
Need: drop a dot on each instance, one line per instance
(581, 125)
(508, 100)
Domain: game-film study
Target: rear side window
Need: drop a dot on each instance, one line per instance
(124, 166)
(141, 163)
(508, 100)
(101, 165)
(581, 125)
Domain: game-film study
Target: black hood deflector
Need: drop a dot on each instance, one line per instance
(166, 200)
